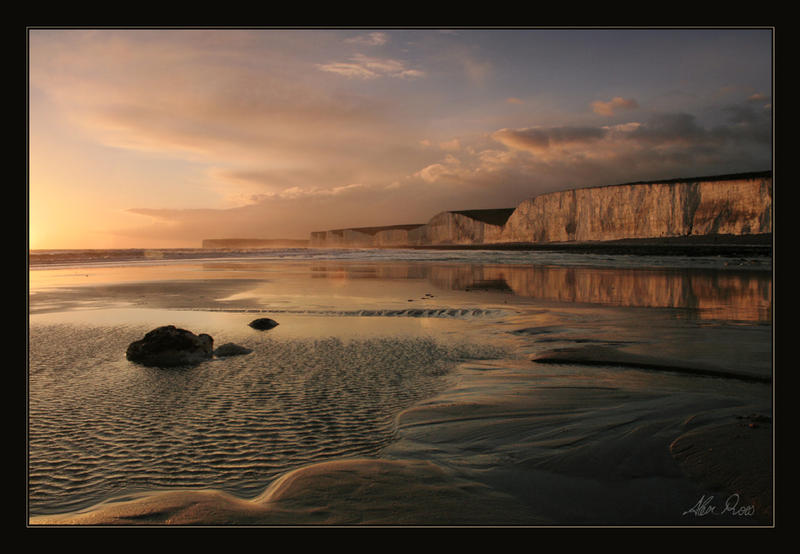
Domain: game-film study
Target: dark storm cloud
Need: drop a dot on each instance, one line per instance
(669, 128)
(540, 138)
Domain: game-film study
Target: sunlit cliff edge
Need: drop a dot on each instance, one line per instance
(738, 204)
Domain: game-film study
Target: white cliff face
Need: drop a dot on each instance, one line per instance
(334, 239)
(737, 205)
(733, 206)
(392, 237)
(365, 237)
(317, 239)
(352, 237)
(451, 228)
(741, 207)
(456, 228)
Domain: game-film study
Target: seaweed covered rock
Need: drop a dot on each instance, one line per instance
(169, 346)
(263, 323)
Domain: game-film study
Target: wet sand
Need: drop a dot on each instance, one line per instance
(618, 428)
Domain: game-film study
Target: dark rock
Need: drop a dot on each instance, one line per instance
(169, 346)
(264, 323)
(231, 349)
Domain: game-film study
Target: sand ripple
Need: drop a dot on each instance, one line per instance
(101, 426)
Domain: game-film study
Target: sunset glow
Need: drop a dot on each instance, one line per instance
(164, 137)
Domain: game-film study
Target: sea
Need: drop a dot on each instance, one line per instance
(106, 257)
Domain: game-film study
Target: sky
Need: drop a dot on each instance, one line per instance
(160, 138)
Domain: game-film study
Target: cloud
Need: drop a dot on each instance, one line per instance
(757, 97)
(241, 186)
(301, 192)
(349, 69)
(185, 95)
(761, 99)
(498, 169)
(256, 126)
(365, 67)
(370, 39)
(660, 131)
(612, 106)
(450, 145)
(669, 128)
(522, 162)
(542, 138)
(294, 212)
(513, 100)
(434, 172)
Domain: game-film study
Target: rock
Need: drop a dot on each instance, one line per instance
(231, 349)
(169, 346)
(264, 323)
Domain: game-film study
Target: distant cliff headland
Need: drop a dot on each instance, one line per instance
(255, 243)
(675, 211)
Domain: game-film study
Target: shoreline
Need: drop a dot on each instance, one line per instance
(695, 246)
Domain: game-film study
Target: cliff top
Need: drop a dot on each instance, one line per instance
(375, 230)
(726, 177)
(493, 217)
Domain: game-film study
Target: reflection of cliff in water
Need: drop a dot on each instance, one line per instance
(713, 294)
(339, 270)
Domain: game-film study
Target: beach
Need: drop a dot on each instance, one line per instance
(405, 388)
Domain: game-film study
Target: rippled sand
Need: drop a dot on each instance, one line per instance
(390, 398)
(100, 425)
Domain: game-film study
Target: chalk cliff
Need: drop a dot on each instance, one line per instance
(736, 205)
(462, 227)
(255, 243)
(397, 235)
(364, 237)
